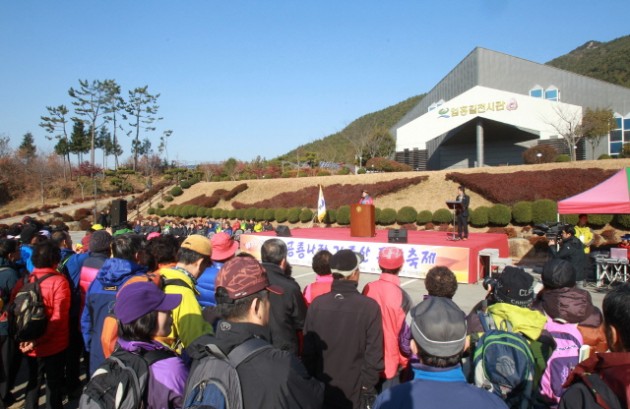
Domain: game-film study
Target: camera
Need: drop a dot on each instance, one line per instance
(552, 231)
(489, 282)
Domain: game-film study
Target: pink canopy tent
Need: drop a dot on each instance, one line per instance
(612, 196)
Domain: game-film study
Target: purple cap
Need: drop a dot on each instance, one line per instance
(140, 298)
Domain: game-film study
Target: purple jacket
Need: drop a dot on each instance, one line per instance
(167, 380)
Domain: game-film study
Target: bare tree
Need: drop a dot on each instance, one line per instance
(358, 134)
(568, 124)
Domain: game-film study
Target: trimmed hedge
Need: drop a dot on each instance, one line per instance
(406, 214)
(232, 214)
(293, 215)
(387, 217)
(442, 216)
(343, 215)
(424, 217)
(623, 221)
(331, 216)
(599, 220)
(281, 215)
(260, 215)
(240, 213)
(176, 191)
(479, 216)
(306, 215)
(216, 213)
(250, 213)
(269, 215)
(544, 211)
(522, 212)
(499, 215)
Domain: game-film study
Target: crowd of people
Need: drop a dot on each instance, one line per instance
(329, 345)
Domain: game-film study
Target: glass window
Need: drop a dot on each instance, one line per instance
(615, 136)
(536, 93)
(618, 122)
(432, 107)
(626, 136)
(551, 94)
(626, 123)
(615, 148)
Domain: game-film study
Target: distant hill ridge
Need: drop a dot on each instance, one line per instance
(609, 61)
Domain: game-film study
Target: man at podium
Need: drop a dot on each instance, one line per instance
(365, 198)
(461, 213)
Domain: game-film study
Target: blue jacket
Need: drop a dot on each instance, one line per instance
(205, 284)
(167, 377)
(99, 302)
(8, 278)
(437, 387)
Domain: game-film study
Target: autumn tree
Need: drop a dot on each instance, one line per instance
(596, 125)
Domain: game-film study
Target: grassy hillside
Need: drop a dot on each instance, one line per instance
(605, 61)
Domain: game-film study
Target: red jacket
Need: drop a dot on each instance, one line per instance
(394, 303)
(56, 295)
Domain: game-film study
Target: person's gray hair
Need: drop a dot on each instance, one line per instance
(273, 251)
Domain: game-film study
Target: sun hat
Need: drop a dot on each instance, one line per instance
(137, 299)
(223, 246)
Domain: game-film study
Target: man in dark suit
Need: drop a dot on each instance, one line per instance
(461, 213)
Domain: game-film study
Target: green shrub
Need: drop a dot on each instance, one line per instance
(424, 217)
(522, 212)
(323, 173)
(344, 171)
(406, 214)
(260, 215)
(361, 171)
(377, 213)
(160, 205)
(161, 212)
(387, 217)
(563, 157)
(240, 213)
(201, 211)
(216, 213)
(168, 198)
(250, 213)
(208, 212)
(185, 184)
(232, 214)
(544, 211)
(225, 213)
(281, 215)
(331, 216)
(293, 215)
(306, 215)
(442, 216)
(479, 216)
(604, 156)
(623, 221)
(270, 215)
(599, 220)
(176, 191)
(343, 215)
(151, 210)
(500, 215)
(569, 218)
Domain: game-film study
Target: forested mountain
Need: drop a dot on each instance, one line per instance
(605, 61)
(608, 61)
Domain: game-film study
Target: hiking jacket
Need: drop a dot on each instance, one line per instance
(99, 302)
(395, 304)
(26, 253)
(575, 306)
(205, 284)
(8, 278)
(188, 323)
(73, 266)
(167, 377)
(614, 369)
(56, 295)
(343, 344)
(270, 378)
(322, 285)
(288, 311)
(438, 387)
(89, 269)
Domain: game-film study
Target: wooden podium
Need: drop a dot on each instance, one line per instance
(362, 220)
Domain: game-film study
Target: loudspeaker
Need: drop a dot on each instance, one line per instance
(118, 212)
(283, 231)
(397, 236)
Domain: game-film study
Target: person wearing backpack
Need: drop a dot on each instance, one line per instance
(438, 326)
(45, 355)
(603, 380)
(126, 251)
(520, 328)
(10, 356)
(268, 377)
(143, 312)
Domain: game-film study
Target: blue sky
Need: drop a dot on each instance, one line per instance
(247, 78)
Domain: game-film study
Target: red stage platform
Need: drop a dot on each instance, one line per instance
(468, 259)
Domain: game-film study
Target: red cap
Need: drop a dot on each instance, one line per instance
(243, 276)
(390, 258)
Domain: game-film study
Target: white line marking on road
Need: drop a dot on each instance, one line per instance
(409, 282)
(303, 275)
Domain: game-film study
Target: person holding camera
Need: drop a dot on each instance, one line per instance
(571, 250)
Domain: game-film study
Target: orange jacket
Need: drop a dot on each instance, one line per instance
(56, 295)
(394, 303)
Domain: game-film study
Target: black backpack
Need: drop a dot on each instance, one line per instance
(121, 381)
(28, 312)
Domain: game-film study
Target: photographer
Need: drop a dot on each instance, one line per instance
(571, 250)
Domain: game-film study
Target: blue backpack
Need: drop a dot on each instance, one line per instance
(213, 382)
(503, 364)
